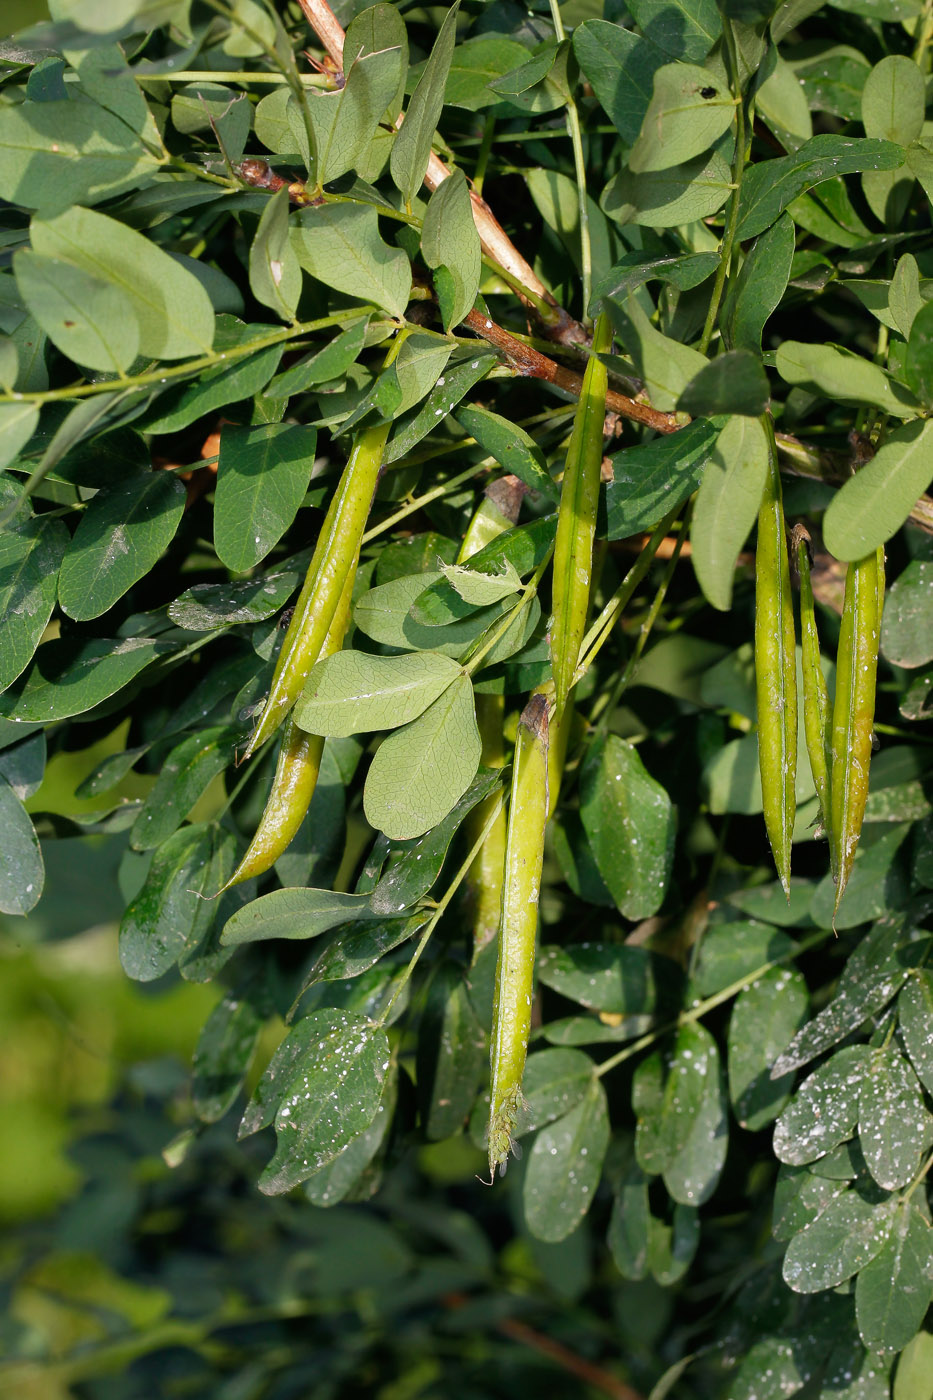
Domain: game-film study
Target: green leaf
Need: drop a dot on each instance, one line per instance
(341, 246)
(245, 376)
(422, 770)
(735, 950)
(411, 148)
(336, 1181)
(418, 368)
(354, 948)
(222, 1056)
(693, 1175)
(770, 186)
(914, 1379)
(671, 1247)
(262, 477)
(22, 873)
(727, 506)
(330, 362)
(89, 320)
(683, 28)
(172, 309)
(759, 287)
(915, 1018)
(274, 273)
(782, 104)
(210, 605)
(841, 375)
(70, 677)
(764, 1020)
(904, 296)
(630, 823)
(475, 63)
(895, 1128)
(331, 1095)
(874, 974)
(734, 382)
(894, 100)
(30, 558)
(61, 153)
(872, 505)
(668, 1093)
(554, 1082)
(848, 1235)
(452, 1055)
(630, 1221)
(183, 778)
(800, 1196)
(512, 447)
(634, 269)
(824, 1110)
(18, 422)
(345, 122)
(893, 1292)
(353, 692)
(172, 911)
(918, 366)
(665, 365)
(383, 614)
(457, 382)
(690, 109)
(620, 67)
(651, 478)
(22, 764)
(523, 548)
(119, 538)
(479, 589)
(564, 1167)
(450, 244)
(293, 914)
(666, 198)
(614, 978)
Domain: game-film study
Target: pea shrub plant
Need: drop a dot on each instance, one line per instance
(403, 416)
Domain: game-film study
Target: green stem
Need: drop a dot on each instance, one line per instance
(700, 1008)
(482, 159)
(167, 372)
(599, 632)
(576, 140)
(625, 679)
(439, 912)
(738, 167)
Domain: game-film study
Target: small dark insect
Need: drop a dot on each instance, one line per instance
(286, 616)
(708, 92)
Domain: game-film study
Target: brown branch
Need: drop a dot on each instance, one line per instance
(497, 245)
(568, 1360)
(537, 366)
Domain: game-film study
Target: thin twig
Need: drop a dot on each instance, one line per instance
(557, 323)
(534, 365)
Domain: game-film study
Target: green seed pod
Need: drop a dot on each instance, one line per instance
(775, 673)
(576, 522)
(854, 709)
(296, 771)
(524, 857)
(484, 882)
(817, 713)
(328, 577)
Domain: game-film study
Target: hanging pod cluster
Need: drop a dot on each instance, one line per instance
(838, 732)
(540, 747)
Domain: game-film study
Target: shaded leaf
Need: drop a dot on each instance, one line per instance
(649, 479)
(765, 1016)
(30, 558)
(630, 823)
(849, 1233)
(22, 872)
(895, 1128)
(564, 1167)
(824, 1110)
(727, 505)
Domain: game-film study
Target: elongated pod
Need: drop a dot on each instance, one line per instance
(296, 771)
(576, 521)
(775, 673)
(817, 712)
(854, 709)
(524, 856)
(326, 580)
